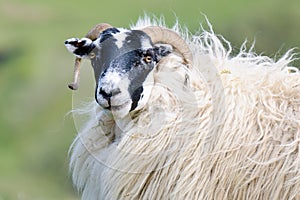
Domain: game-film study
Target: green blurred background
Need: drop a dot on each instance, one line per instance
(35, 67)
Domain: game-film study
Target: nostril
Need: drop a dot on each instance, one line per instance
(104, 94)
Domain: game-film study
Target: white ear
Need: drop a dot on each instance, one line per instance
(79, 47)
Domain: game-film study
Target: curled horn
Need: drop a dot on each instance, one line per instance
(93, 34)
(160, 34)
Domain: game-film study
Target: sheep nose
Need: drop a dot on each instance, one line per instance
(105, 95)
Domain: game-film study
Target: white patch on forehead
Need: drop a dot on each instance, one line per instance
(145, 43)
(121, 37)
(115, 35)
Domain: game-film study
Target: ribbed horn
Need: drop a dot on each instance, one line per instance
(93, 34)
(163, 35)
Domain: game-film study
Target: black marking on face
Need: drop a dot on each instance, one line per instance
(109, 50)
(107, 34)
(104, 55)
(106, 96)
(131, 56)
(136, 39)
(136, 96)
(140, 68)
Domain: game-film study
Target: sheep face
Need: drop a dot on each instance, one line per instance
(123, 61)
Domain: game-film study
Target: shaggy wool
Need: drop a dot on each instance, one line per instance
(227, 127)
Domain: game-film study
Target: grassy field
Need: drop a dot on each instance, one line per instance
(35, 130)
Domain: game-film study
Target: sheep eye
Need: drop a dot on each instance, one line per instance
(148, 59)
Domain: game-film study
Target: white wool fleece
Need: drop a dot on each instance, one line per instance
(226, 128)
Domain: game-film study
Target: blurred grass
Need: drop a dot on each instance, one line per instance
(35, 132)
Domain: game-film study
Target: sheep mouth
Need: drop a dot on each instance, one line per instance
(119, 107)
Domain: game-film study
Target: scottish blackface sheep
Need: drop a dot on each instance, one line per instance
(177, 116)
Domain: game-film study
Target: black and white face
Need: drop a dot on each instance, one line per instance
(123, 63)
(124, 86)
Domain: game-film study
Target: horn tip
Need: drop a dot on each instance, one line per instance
(73, 86)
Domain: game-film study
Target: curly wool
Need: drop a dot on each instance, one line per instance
(227, 128)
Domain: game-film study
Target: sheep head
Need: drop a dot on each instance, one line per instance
(123, 61)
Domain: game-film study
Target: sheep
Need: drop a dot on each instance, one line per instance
(200, 123)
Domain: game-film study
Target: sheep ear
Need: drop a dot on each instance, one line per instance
(80, 47)
(162, 50)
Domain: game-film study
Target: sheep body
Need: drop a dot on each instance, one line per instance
(226, 128)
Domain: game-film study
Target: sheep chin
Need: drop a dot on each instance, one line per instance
(121, 110)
